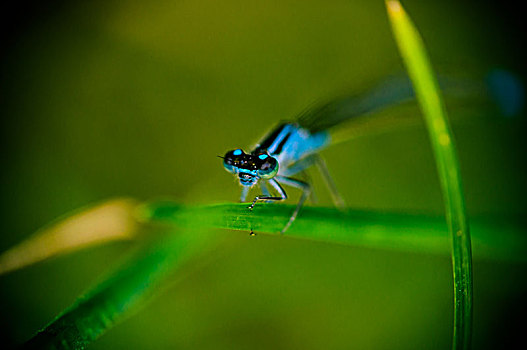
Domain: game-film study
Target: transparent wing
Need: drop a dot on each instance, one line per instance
(389, 93)
(500, 87)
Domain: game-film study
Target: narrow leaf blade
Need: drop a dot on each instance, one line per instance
(418, 65)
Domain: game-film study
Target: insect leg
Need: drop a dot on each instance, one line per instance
(277, 187)
(306, 177)
(335, 195)
(301, 167)
(265, 189)
(306, 190)
(243, 195)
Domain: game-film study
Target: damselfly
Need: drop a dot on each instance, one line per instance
(294, 146)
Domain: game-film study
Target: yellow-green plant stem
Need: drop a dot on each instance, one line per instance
(414, 55)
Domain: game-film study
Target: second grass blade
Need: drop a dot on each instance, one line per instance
(426, 87)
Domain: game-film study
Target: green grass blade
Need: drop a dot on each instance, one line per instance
(120, 295)
(129, 288)
(426, 87)
(499, 238)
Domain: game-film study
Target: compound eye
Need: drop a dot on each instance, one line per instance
(268, 166)
(232, 160)
(233, 157)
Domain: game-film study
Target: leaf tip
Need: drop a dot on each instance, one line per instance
(394, 8)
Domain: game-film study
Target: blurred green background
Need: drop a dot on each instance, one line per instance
(133, 98)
